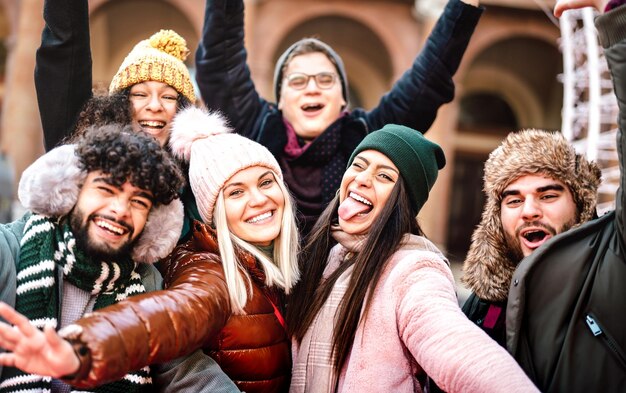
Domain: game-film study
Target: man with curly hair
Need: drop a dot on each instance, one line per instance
(100, 212)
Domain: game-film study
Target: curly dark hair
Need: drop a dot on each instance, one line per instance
(102, 109)
(128, 155)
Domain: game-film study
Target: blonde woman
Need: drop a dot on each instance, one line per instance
(225, 286)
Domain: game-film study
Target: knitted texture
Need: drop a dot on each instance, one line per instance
(488, 269)
(417, 158)
(214, 155)
(159, 58)
(45, 248)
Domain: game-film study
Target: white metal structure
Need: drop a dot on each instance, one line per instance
(589, 105)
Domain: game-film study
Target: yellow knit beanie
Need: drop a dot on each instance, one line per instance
(159, 58)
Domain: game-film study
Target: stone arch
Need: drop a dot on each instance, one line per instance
(518, 66)
(110, 44)
(377, 42)
(499, 28)
(524, 71)
(366, 60)
(499, 82)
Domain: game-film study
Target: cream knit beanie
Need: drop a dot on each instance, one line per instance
(214, 154)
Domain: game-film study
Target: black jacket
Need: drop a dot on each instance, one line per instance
(566, 324)
(225, 84)
(63, 68)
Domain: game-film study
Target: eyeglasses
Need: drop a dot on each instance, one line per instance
(323, 80)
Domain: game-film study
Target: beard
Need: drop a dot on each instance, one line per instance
(513, 246)
(100, 251)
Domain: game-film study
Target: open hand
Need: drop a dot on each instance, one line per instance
(34, 351)
(564, 5)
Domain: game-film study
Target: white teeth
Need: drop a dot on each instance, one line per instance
(360, 199)
(152, 123)
(110, 227)
(260, 217)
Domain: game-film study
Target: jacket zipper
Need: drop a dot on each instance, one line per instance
(597, 331)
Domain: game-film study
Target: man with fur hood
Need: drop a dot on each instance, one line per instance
(99, 213)
(537, 186)
(565, 323)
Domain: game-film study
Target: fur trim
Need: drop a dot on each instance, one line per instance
(488, 269)
(50, 185)
(194, 123)
(161, 233)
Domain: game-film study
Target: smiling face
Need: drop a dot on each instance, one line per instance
(365, 188)
(311, 110)
(535, 208)
(108, 219)
(254, 205)
(154, 105)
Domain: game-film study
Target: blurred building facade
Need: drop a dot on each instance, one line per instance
(507, 80)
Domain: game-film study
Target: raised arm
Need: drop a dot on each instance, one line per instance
(63, 68)
(611, 27)
(222, 73)
(612, 32)
(155, 327)
(417, 95)
(454, 352)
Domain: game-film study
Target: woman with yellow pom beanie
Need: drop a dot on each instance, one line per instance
(153, 81)
(151, 85)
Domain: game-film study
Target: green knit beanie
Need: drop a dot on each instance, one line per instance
(417, 158)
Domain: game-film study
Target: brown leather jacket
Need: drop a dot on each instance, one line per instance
(193, 312)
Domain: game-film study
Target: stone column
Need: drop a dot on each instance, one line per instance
(20, 133)
(261, 69)
(435, 213)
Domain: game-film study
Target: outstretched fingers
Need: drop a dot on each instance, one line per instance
(7, 359)
(9, 336)
(18, 320)
(34, 351)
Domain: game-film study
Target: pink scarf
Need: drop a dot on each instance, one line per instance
(293, 148)
(313, 361)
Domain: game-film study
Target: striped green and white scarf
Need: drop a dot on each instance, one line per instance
(46, 247)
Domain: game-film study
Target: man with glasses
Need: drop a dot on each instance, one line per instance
(310, 130)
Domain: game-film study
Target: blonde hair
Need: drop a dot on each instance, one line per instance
(282, 271)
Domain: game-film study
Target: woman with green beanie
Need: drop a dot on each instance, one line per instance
(376, 309)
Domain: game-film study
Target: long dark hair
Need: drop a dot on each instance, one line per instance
(396, 219)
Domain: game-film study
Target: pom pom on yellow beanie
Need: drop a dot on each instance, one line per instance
(160, 58)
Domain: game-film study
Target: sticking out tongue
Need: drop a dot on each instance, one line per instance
(350, 208)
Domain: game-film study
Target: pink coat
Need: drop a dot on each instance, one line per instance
(415, 309)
